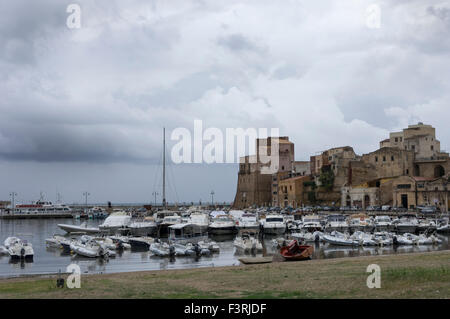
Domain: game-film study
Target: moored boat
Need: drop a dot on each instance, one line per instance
(295, 252)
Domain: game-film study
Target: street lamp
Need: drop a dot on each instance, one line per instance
(86, 194)
(154, 194)
(13, 205)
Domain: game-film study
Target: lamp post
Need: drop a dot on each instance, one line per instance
(155, 194)
(13, 204)
(212, 198)
(86, 194)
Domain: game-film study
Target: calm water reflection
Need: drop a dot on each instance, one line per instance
(52, 260)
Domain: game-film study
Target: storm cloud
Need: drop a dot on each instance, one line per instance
(100, 95)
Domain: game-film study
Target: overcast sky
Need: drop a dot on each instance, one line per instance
(83, 109)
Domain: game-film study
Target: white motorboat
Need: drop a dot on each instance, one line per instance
(210, 245)
(90, 249)
(115, 223)
(81, 229)
(56, 241)
(3, 251)
(200, 219)
(364, 238)
(169, 220)
(121, 242)
(10, 241)
(184, 250)
(406, 224)
(307, 236)
(247, 243)
(382, 223)
(443, 228)
(248, 221)
(360, 222)
(383, 238)
(404, 239)
(20, 250)
(162, 249)
(143, 228)
(336, 223)
(426, 225)
(274, 225)
(222, 224)
(339, 239)
(311, 223)
(187, 233)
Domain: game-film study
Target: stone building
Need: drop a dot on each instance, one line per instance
(410, 192)
(255, 185)
(291, 191)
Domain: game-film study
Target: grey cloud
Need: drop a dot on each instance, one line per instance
(238, 42)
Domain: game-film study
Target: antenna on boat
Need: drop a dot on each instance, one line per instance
(164, 169)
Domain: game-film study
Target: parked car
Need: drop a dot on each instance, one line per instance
(385, 208)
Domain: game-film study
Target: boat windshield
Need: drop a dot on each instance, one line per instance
(274, 220)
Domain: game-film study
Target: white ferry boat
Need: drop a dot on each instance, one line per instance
(39, 208)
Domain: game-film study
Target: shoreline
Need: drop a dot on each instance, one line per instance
(413, 275)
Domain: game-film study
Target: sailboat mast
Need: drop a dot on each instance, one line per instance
(164, 168)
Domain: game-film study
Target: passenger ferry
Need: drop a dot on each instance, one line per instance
(39, 208)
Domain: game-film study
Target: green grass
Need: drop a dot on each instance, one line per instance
(421, 275)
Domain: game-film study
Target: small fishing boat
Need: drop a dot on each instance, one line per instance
(295, 252)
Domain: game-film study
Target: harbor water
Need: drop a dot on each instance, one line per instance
(51, 260)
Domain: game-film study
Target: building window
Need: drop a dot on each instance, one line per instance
(401, 139)
(376, 158)
(396, 139)
(384, 158)
(282, 168)
(432, 147)
(290, 187)
(392, 158)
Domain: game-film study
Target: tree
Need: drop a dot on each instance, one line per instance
(326, 178)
